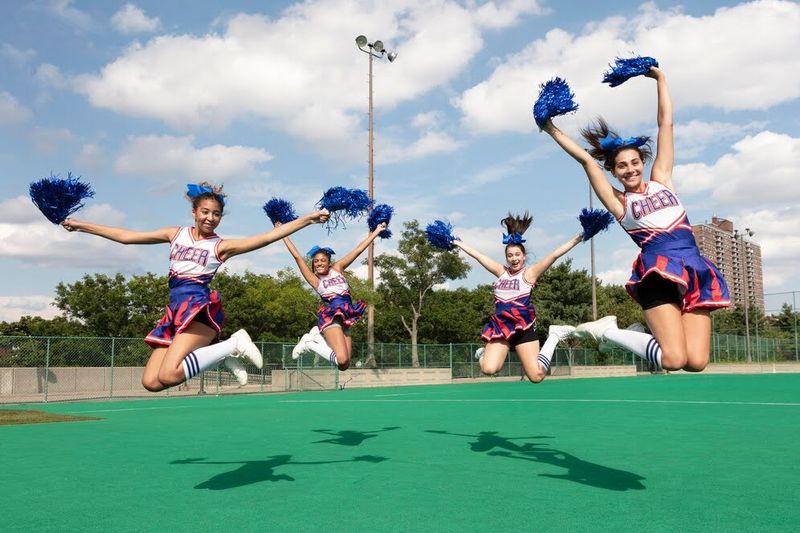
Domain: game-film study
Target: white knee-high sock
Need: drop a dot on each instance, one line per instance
(546, 352)
(206, 357)
(323, 350)
(642, 344)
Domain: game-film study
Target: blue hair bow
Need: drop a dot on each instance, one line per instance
(611, 142)
(193, 190)
(314, 250)
(514, 238)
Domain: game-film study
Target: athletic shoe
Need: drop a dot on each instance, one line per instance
(562, 332)
(245, 349)
(316, 334)
(596, 329)
(606, 347)
(236, 368)
(479, 353)
(301, 346)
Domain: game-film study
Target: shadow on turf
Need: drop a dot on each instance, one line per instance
(577, 469)
(346, 437)
(257, 471)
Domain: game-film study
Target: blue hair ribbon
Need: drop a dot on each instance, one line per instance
(611, 142)
(193, 190)
(316, 249)
(514, 238)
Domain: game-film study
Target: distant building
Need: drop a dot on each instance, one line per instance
(738, 258)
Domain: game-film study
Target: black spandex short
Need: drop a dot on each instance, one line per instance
(521, 337)
(654, 290)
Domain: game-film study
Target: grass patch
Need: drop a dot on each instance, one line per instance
(10, 417)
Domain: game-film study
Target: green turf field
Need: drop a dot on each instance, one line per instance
(660, 453)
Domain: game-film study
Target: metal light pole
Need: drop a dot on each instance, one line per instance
(594, 278)
(372, 49)
(746, 292)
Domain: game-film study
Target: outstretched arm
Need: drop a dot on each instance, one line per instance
(665, 150)
(307, 273)
(342, 264)
(486, 262)
(597, 178)
(121, 235)
(533, 272)
(231, 247)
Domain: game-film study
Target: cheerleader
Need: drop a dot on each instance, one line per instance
(330, 338)
(676, 286)
(513, 326)
(185, 341)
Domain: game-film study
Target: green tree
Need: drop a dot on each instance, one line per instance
(100, 302)
(407, 279)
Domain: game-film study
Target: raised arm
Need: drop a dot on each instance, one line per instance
(533, 272)
(486, 262)
(665, 150)
(231, 247)
(342, 264)
(120, 235)
(307, 273)
(597, 178)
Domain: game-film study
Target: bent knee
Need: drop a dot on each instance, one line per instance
(152, 384)
(673, 359)
(343, 366)
(536, 377)
(488, 369)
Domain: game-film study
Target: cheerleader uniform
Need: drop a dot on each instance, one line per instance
(192, 265)
(656, 221)
(515, 316)
(339, 307)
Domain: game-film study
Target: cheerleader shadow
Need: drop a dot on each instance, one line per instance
(576, 469)
(250, 472)
(350, 438)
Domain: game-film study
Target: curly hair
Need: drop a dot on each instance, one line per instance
(216, 195)
(517, 224)
(598, 130)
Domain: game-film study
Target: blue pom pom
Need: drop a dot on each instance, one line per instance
(344, 203)
(555, 98)
(381, 213)
(58, 198)
(593, 221)
(279, 210)
(624, 69)
(440, 235)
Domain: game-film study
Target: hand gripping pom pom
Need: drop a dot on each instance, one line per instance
(593, 221)
(381, 213)
(624, 69)
(344, 203)
(58, 198)
(555, 98)
(279, 210)
(440, 235)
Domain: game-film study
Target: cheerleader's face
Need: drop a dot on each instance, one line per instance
(515, 258)
(629, 170)
(321, 263)
(207, 216)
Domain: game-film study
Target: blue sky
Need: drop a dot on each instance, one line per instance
(270, 98)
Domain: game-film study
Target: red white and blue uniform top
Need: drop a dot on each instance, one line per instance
(512, 289)
(193, 260)
(335, 293)
(514, 311)
(656, 221)
(333, 285)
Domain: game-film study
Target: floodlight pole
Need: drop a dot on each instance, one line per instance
(594, 277)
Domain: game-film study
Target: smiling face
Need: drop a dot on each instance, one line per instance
(629, 169)
(515, 257)
(321, 263)
(207, 215)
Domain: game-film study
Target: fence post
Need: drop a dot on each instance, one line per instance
(451, 360)
(424, 356)
(47, 369)
(111, 370)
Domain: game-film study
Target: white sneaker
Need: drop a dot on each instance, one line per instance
(246, 349)
(236, 368)
(479, 353)
(606, 347)
(562, 332)
(316, 334)
(596, 329)
(301, 346)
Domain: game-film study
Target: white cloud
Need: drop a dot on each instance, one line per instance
(19, 210)
(301, 72)
(91, 157)
(11, 111)
(775, 230)
(20, 57)
(12, 308)
(64, 10)
(430, 143)
(50, 75)
(48, 140)
(167, 156)
(742, 57)
(693, 137)
(761, 170)
(131, 19)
